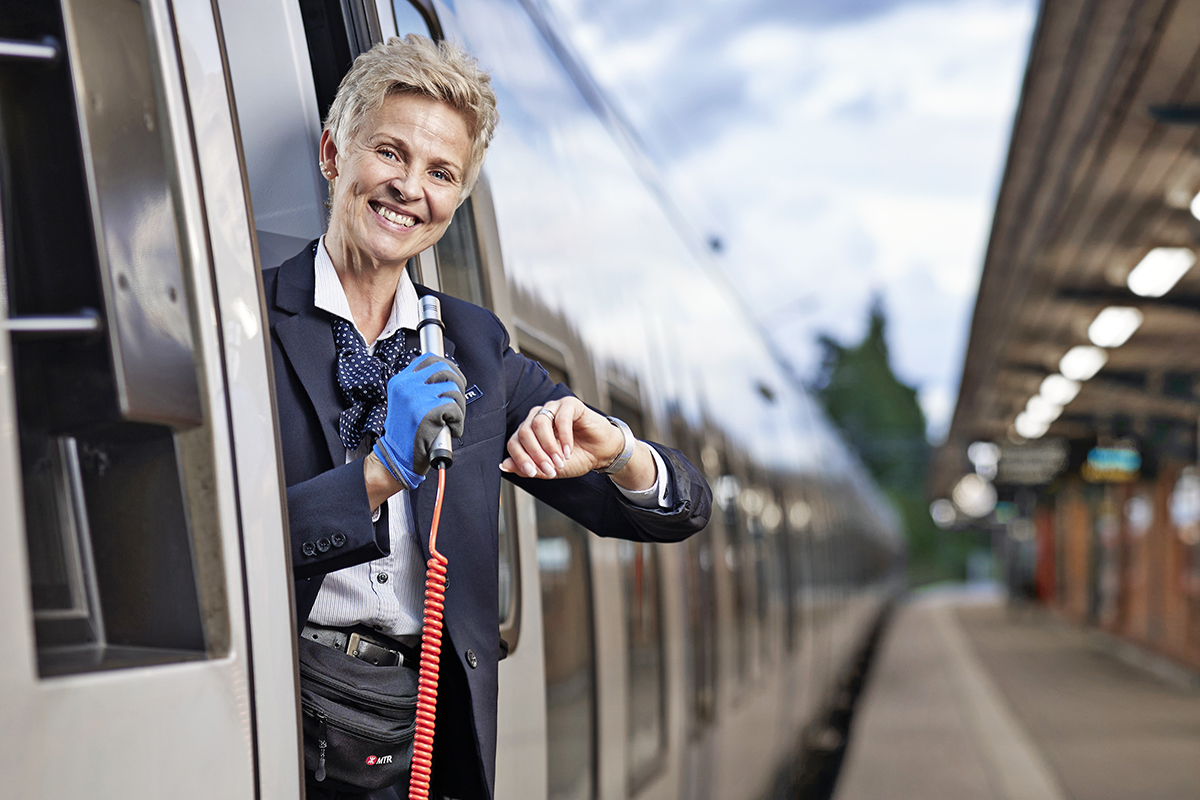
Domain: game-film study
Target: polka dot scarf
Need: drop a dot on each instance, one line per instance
(363, 378)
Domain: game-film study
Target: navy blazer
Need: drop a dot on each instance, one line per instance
(330, 518)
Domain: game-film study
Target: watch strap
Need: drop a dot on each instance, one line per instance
(621, 460)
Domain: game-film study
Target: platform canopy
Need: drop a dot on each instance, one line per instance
(1103, 168)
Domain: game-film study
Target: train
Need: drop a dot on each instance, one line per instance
(155, 156)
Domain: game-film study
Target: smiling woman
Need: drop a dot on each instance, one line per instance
(359, 406)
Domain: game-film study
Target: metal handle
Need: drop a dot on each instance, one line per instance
(44, 51)
(85, 322)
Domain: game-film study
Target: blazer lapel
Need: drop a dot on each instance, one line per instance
(306, 339)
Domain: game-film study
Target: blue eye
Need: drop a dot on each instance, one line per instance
(441, 175)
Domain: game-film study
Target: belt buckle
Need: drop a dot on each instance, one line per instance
(352, 644)
(372, 653)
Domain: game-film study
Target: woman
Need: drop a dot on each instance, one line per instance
(358, 406)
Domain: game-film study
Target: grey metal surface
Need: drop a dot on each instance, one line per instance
(245, 425)
(130, 180)
(278, 117)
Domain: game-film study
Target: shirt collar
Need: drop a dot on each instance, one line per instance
(331, 297)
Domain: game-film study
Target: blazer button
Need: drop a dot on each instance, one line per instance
(308, 549)
(338, 539)
(323, 544)
(471, 659)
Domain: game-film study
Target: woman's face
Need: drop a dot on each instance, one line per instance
(397, 182)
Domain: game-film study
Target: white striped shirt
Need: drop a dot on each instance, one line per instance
(388, 593)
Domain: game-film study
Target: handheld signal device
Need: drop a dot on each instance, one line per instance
(441, 457)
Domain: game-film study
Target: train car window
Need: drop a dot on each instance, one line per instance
(116, 457)
(410, 19)
(788, 580)
(510, 569)
(336, 31)
(799, 515)
(763, 568)
(727, 493)
(645, 696)
(551, 355)
(623, 404)
(565, 575)
(700, 586)
(646, 709)
(460, 269)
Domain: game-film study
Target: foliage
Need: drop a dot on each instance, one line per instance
(881, 419)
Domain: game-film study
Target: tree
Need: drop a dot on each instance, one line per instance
(881, 419)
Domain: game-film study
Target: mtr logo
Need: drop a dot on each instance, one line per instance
(373, 760)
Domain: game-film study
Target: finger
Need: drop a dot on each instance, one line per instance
(458, 397)
(518, 461)
(453, 414)
(537, 455)
(564, 425)
(544, 424)
(440, 370)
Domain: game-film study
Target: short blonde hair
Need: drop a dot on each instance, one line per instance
(416, 65)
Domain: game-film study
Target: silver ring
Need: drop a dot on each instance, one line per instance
(547, 412)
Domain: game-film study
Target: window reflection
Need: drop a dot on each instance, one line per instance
(645, 701)
(460, 269)
(570, 664)
(408, 19)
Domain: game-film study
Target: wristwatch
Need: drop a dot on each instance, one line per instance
(620, 461)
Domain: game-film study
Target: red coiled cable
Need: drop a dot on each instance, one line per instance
(431, 652)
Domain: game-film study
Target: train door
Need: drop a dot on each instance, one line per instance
(701, 620)
(147, 623)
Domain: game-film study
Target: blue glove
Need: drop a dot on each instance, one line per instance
(421, 398)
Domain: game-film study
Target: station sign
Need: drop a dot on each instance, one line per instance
(1031, 464)
(1112, 464)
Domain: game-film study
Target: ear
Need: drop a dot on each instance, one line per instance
(328, 154)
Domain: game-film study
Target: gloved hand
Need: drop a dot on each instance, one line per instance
(422, 397)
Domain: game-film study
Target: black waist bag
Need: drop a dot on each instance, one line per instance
(359, 719)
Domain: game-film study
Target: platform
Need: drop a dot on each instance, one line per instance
(967, 701)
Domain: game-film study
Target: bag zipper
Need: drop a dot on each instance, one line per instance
(351, 727)
(347, 693)
(322, 743)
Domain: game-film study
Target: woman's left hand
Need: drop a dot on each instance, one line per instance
(566, 439)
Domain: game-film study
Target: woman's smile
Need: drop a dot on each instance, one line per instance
(393, 216)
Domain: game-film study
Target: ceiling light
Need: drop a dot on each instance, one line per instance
(1160, 270)
(1059, 390)
(984, 456)
(1113, 326)
(1082, 362)
(1028, 427)
(1042, 410)
(974, 496)
(943, 512)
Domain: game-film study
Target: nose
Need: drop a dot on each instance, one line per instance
(407, 183)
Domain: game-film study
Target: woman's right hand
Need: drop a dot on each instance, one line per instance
(424, 397)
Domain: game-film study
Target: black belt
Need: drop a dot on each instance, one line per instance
(364, 644)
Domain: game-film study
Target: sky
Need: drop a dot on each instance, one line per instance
(840, 149)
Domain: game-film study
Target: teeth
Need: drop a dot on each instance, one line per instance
(392, 216)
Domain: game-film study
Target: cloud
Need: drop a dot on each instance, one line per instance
(839, 149)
